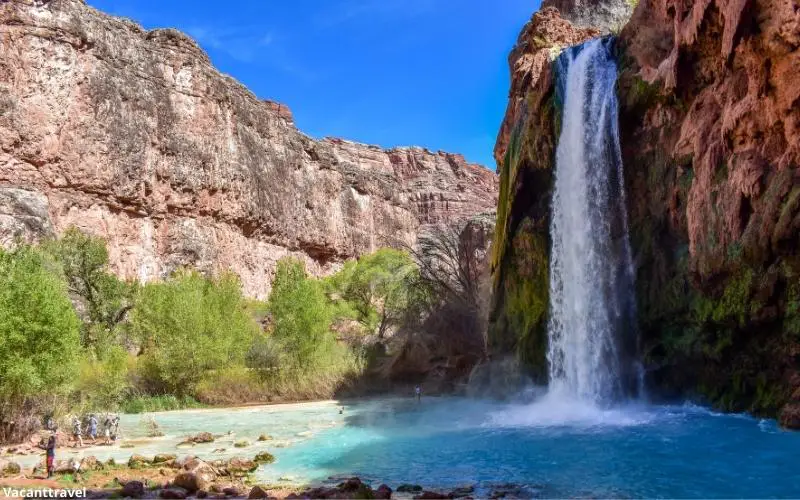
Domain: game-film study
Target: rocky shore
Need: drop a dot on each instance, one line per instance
(167, 476)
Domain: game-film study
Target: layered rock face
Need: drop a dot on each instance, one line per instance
(133, 135)
(709, 117)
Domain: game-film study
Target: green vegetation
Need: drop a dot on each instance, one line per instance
(76, 339)
(39, 336)
(188, 326)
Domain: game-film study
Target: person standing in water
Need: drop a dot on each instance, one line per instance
(51, 455)
(418, 392)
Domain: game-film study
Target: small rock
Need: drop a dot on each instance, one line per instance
(133, 489)
(241, 444)
(92, 463)
(164, 457)
(264, 458)
(409, 488)
(265, 437)
(463, 491)
(201, 494)
(258, 492)
(126, 445)
(231, 491)
(9, 468)
(138, 462)
(239, 466)
(173, 492)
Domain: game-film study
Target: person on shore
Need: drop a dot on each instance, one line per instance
(418, 392)
(107, 430)
(77, 432)
(93, 428)
(115, 428)
(51, 455)
(50, 425)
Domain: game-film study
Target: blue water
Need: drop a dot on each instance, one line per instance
(551, 447)
(555, 449)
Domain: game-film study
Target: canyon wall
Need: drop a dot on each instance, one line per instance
(133, 135)
(709, 120)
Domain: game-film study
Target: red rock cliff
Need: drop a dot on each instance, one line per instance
(135, 136)
(710, 131)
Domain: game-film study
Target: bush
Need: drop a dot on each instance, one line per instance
(301, 314)
(188, 326)
(103, 383)
(39, 334)
(148, 404)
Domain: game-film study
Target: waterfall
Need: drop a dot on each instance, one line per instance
(591, 330)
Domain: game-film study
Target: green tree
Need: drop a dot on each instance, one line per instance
(301, 313)
(380, 288)
(39, 331)
(103, 297)
(189, 326)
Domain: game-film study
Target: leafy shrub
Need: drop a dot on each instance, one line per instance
(103, 383)
(188, 326)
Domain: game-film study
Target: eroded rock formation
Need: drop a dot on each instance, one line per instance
(135, 136)
(710, 114)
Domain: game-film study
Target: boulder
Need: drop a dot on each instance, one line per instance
(198, 476)
(202, 437)
(383, 492)
(258, 492)
(164, 457)
(173, 492)
(133, 489)
(789, 417)
(201, 494)
(191, 481)
(264, 458)
(238, 467)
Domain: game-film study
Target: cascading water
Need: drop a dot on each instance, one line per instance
(592, 308)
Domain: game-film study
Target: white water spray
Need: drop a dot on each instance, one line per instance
(592, 308)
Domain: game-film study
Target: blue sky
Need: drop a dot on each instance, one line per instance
(431, 73)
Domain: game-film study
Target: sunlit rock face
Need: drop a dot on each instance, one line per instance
(605, 15)
(134, 135)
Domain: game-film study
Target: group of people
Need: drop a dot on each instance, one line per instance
(110, 429)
